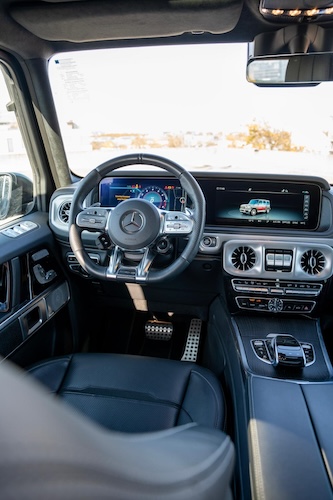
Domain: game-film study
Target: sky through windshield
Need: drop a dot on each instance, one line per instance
(179, 90)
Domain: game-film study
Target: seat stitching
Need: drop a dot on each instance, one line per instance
(182, 401)
(53, 362)
(113, 396)
(65, 373)
(45, 363)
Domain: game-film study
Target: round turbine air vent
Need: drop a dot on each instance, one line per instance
(64, 211)
(313, 262)
(243, 258)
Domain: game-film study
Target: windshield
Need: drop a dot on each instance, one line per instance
(193, 105)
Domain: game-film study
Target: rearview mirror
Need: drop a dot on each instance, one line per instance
(293, 69)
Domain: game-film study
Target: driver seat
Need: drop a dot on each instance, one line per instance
(50, 451)
(134, 393)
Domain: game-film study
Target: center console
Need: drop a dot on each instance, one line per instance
(282, 383)
(263, 345)
(289, 392)
(282, 277)
(290, 443)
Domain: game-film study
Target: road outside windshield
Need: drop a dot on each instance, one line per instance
(191, 104)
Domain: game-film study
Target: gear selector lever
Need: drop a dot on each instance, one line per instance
(285, 350)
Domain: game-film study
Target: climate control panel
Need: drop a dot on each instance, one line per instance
(276, 296)
(277, 287)
(275, 305)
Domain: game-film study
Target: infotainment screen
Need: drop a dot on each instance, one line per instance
(260, 203)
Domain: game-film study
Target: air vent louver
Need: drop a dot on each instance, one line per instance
(313, 262)
(64, 212)
(243, 258)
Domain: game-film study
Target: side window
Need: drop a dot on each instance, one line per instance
(16, 177)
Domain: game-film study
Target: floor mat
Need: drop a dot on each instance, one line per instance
(145, 334)
(148, 346)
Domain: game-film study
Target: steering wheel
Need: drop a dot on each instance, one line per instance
(135, 225)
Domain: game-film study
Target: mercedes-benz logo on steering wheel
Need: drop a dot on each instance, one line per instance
(132, 222)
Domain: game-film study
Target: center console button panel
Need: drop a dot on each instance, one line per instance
(276, 287)
(275, 305)
(278, 260)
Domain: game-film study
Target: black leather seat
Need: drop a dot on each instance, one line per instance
(133, 393)
(49, 451)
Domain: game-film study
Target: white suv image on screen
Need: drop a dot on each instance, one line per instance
(255, 206)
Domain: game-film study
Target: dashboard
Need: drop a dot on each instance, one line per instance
(272, 234)
(230, 202)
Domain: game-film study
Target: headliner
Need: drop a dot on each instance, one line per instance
(41, 28)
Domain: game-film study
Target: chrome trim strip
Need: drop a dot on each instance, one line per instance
(261, 246)
(38, 301)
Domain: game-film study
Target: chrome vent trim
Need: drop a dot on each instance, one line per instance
(63, 213)
(313, 262)
(309, 262)
(243, 258)
(59, 214)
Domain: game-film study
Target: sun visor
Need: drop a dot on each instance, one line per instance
(84, 21)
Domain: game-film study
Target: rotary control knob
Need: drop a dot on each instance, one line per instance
(275, 305)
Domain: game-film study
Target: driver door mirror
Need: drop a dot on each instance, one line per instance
(16, 195)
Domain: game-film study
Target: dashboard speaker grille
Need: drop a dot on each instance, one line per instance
(243, 258)
(64, 211)
(313, 262)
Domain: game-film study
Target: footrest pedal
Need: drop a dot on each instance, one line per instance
(192, 342)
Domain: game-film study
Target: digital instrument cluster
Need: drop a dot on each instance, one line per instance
(164, 193)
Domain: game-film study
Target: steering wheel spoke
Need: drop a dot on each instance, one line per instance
(93, 218)
(121, 271)
(177, 223)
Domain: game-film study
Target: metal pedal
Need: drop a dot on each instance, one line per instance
(158, 330)
(192, 341)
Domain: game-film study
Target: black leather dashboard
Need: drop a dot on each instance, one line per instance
(276, 255)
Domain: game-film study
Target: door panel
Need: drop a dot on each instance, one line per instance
(34, 293)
